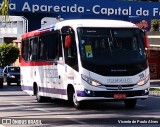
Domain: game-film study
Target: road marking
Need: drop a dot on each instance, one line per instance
(80, 122)
(77, 121)
(39, 109)
(140, 105)
(20, 105)
(2, 126)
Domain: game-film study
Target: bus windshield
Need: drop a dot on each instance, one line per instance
(101, 47)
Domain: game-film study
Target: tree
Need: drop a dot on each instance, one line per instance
(4, 11)
(154, 25)
(8, 54)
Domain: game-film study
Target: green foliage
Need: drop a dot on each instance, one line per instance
(8, 54)
(5, 7)
(4, 11)
(154, 89)
(155, 25)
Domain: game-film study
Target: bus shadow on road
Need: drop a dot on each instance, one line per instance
(86, 105)
(89, 105)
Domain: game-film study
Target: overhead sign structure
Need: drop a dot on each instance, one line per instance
(70, 9)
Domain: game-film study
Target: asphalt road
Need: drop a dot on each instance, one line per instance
(16, 106)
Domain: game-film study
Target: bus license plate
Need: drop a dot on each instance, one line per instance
(119, 96)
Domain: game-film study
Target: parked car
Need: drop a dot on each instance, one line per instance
(1, 77)
(11, 74)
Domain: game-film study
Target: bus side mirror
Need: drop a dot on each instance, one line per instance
(145, 39)
(146, 43)
(68, 41)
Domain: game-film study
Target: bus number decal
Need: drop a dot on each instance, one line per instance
(141, 76)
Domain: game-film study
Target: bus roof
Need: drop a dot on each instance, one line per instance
(74, 23)
(35, 33)
(95, 23)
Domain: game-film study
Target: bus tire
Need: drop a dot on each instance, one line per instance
(8, 83)
(77, 104)
(38, 97)
(1, 84)
(130, 103)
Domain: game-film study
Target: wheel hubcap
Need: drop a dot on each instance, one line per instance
(74, 99)
(37, 95)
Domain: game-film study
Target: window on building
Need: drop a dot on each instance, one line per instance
(14, 24)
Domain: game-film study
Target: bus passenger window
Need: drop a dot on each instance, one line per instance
(52, 46)
(25, 49)
(33, 49)
(42, 49)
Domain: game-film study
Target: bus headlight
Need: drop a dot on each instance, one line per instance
(12, 76)
(90, 81)
(144, 81)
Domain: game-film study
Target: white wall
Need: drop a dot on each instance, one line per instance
(15, 26)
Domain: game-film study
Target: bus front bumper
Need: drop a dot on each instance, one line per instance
(112, 95)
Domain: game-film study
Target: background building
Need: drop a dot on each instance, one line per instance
(12, 29)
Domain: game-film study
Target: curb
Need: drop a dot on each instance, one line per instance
(154, 93)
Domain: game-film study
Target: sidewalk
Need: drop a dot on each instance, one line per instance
(155, 84)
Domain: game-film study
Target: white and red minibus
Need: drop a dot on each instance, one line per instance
(86, 60)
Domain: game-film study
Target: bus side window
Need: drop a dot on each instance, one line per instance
(42, 48)
(33, 49)
(25, 49)
(134, 43)
(59, 46)
(52, 46)
(71, 52)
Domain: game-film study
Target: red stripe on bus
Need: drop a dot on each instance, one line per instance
(34, 33)
(36, 63)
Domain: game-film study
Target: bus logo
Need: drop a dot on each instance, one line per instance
(120, 88)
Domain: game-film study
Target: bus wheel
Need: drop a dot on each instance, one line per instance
(8, 83)
(130, 103)
(38, 97)
(77, 104)
(1, 84)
